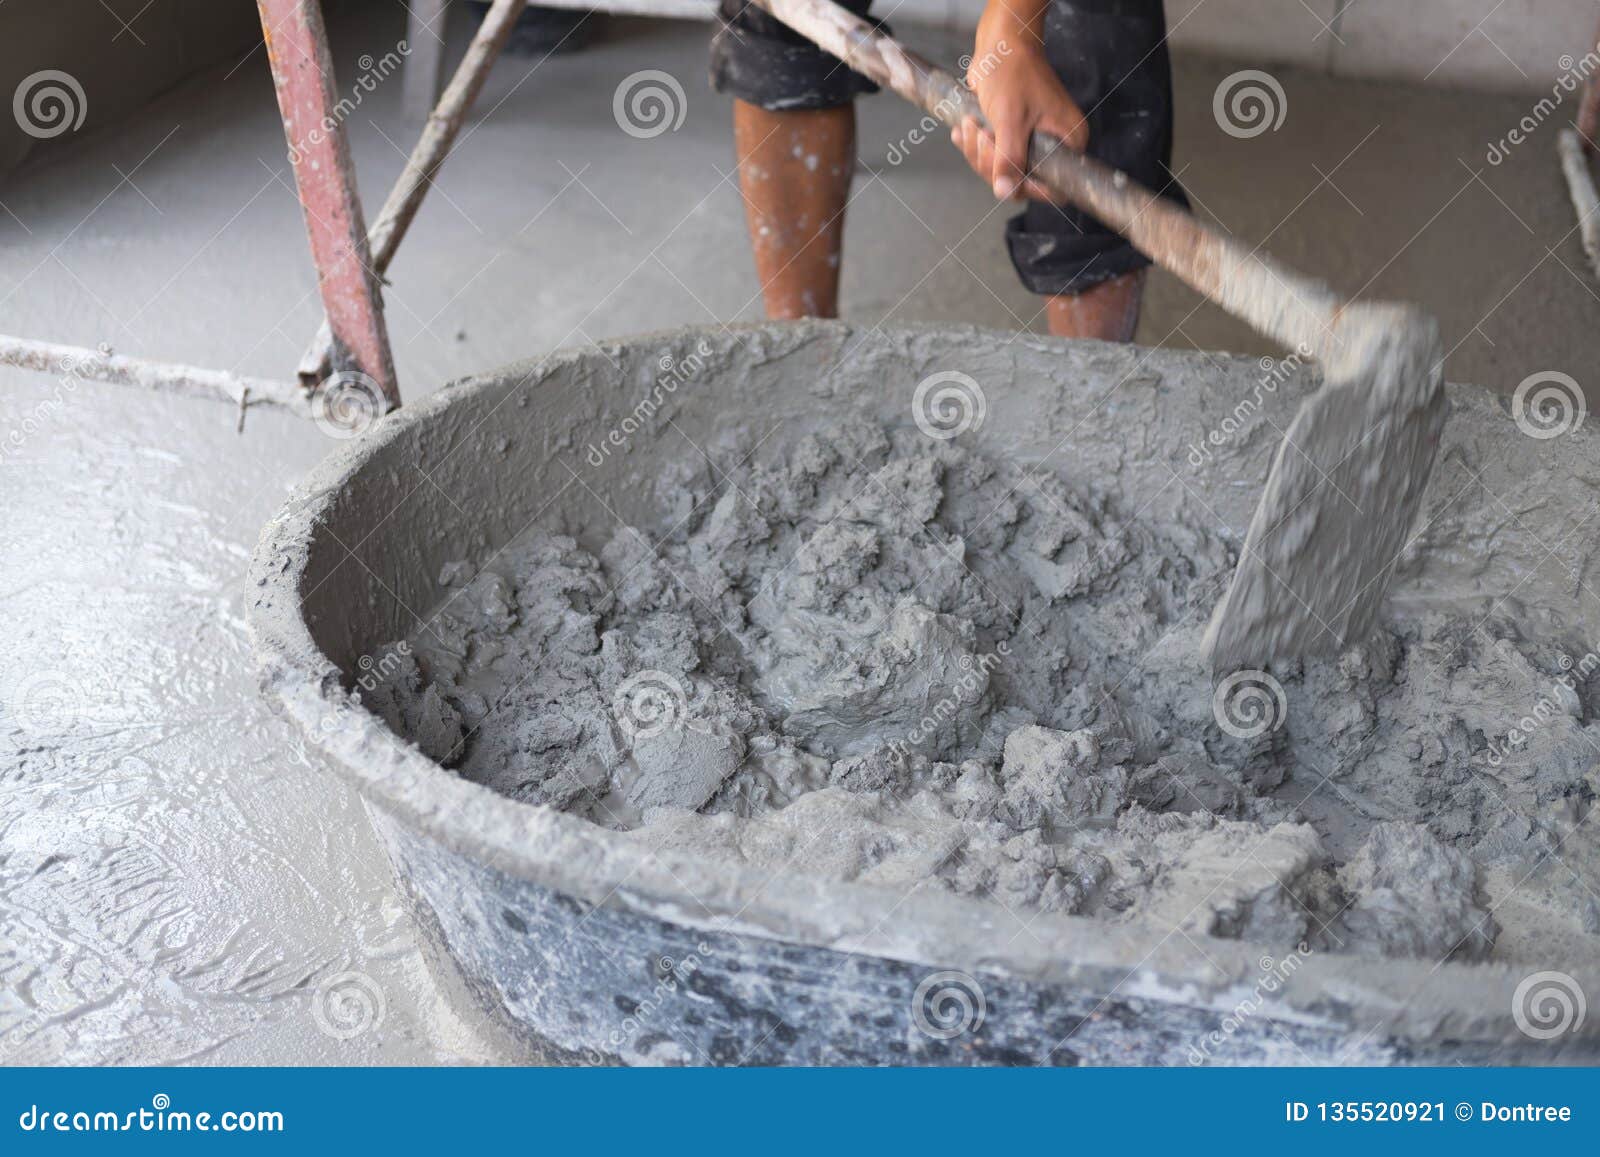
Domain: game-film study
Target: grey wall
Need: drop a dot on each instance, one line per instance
(120, 53)
(1495, 45)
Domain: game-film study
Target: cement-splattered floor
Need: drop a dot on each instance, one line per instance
(175, 880)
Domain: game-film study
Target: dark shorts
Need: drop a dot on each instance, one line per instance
(1112, 58)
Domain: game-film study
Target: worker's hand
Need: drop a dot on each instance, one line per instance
(1019, 92)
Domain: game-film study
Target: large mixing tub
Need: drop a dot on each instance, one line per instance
(593, 949)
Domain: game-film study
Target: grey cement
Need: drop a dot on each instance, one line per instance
(880, 656)
(127, 518)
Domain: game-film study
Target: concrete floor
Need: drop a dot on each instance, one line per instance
(177, 878)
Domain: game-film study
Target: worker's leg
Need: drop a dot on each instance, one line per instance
(1111, 56)
(1108, 311)
(794, 171)
(794, 132)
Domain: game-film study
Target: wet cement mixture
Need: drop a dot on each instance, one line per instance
(885, 658)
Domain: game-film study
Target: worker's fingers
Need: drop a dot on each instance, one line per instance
(977, 146)
(986, 156)
(1066, 121)
(1067, 124)
(958, 138)
(969, 139)
(1033, 191)
(1011, 131)
(989, 159)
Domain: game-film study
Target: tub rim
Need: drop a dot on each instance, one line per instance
(1382, 999)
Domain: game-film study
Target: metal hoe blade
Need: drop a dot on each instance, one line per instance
(1342, 496)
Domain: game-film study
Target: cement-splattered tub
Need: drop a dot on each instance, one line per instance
(592, 949)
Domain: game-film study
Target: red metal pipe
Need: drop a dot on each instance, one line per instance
(302, 72)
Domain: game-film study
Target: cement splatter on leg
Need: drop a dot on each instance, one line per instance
(794, 173)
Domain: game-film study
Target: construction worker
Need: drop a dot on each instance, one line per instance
(1095, 73)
